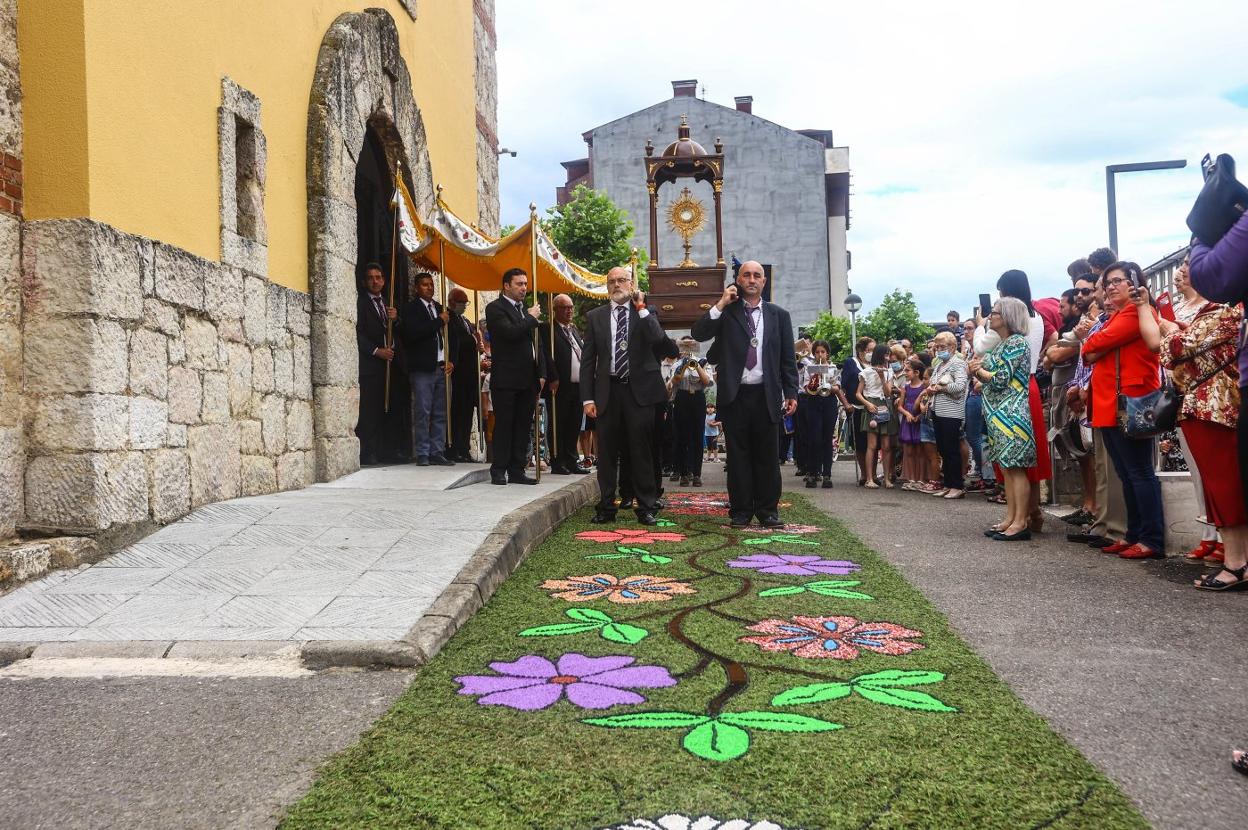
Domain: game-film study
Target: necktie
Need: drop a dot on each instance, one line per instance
(621, 342)
(381, 309)
(751, 356)
(433, 315)
(576, 347)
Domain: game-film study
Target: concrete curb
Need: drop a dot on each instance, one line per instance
(511, 541)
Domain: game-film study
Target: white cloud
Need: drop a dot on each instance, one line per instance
(978, 132)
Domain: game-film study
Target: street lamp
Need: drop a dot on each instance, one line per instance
(852, 304)
(1112, 197)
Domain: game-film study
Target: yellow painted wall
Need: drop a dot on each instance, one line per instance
(147, 155)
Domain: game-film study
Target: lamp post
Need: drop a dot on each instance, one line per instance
(1112, 197)
(852, 304)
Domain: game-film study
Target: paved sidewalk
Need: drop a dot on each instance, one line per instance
(358, 559)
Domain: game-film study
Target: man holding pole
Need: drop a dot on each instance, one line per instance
(564, 387)
(424, 326)
(374, 321)
(516, 376)
(466, 377)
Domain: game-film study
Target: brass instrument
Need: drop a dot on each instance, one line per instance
(819, 383)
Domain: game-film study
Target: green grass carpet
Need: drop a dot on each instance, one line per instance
(856, 706)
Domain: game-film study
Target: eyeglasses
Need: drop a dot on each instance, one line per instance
(1118, 281)
(995, 311)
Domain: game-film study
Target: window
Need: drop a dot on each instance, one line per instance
(244, 237)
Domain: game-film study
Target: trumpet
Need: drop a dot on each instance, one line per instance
(819, 384)
(682, 366)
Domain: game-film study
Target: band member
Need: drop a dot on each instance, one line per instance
(377, 429)
(622, 385)
(465, 346)
(424, 321)
(565, 385)
(816, 413)
(689, 382)
(757, 373)
(517, 375)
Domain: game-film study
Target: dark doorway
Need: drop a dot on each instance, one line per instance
(374, 185)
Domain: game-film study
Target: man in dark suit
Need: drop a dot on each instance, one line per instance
(465, 393)
(516, 377)
(565, 387)
(424, 336)
(757, 371)
(622, 384)
(376, 427)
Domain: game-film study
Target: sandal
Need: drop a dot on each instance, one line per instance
(871, 485)
(1239, 761)
(1212, 583)
(998, 499)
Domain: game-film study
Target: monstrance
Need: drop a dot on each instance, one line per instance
(686, 216)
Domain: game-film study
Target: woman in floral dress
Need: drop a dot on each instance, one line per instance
(1006, 374)
(1201, 359)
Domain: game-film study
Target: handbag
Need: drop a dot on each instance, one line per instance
(1222, 200)
(1143, 416)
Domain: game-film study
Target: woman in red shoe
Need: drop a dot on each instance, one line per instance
(1201, 359)
(1120, 359)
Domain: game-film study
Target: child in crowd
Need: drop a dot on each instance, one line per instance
(711, 433)
(912, 463)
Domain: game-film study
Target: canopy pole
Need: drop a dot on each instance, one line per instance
(479, 342)
(554, 410)
(537, 410)
(446, 341)
(394, 250)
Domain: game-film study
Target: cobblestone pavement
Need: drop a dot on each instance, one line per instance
(360, 558)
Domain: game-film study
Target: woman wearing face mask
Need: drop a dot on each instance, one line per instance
(947, 396)
(875, 394)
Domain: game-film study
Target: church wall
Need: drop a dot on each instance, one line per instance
(774, 200)
(144, 157)
(12, 447)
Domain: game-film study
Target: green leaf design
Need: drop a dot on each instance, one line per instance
(778, 722)
(905, 698)
(650, 720)
(787, 590)
(623, 549)
(834, 583)
(814, 693)
(610, 556)
(840, 593)
(793, 540)
(897, 677)
(760, 540)
(558, 629)
(624, 633)
(655, 559)
(717, 741)
(665, 523)
(588, 615)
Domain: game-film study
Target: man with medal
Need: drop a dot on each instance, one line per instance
(757, 375)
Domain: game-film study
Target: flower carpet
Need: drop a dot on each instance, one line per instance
(692, 676)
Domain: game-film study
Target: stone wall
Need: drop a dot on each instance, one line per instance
(156, 381)
(12, 454)
(485, 39)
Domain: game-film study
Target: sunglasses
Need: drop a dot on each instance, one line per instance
(1084, 291)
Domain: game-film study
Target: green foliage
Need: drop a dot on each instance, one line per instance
(896, 318)
(835, 330)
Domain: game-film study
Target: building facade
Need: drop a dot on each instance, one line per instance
(785, 195)
(189, 194)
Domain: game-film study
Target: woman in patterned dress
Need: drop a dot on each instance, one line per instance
(1201, 359)
(1006, 374)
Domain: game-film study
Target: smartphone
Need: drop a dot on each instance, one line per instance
(985, 305)
(733, 284)
(1164, 306)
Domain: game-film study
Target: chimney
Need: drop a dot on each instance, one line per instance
(685, 89)
(745, 103)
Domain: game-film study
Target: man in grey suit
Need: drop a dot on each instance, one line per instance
(621, 384)
(757, 376)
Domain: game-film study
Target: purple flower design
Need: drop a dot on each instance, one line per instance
(533, 682)
(793, 564)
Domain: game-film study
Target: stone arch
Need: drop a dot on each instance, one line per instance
(361, 81)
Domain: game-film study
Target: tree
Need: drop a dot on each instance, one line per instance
(591, 231)
(835, 330)
(896, 318)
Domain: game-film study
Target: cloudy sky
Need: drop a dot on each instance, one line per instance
(978, 132)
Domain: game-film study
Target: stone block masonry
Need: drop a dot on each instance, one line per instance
(155, 381)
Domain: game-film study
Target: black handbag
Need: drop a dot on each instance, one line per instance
(1222, 201)
(1153, 413)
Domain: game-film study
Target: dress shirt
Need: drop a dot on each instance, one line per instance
(575, 364)
(643, 314)
(378, 302)
(750, 377)
(433, 313)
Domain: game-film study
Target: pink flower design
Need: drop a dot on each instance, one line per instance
(839, 638)
(793, 564)
(697, 504)
(533, 682)
(622, 589)
(799, 529)
(630, 536)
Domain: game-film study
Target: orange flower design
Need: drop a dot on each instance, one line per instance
(627, 536)
(627, 589)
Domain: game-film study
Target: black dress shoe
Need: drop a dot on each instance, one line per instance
(422, 461)
(521, 479)
(1022, 536)
(647, 517)
(441, 461)
(559, 470)
(738, 522)
(1081, 538)
(1100, 542)
(772, 522)
(498, 480)
(603, 518)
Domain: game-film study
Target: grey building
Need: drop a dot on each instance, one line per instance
(785, 199)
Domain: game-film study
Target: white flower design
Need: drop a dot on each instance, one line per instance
(675, 821)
